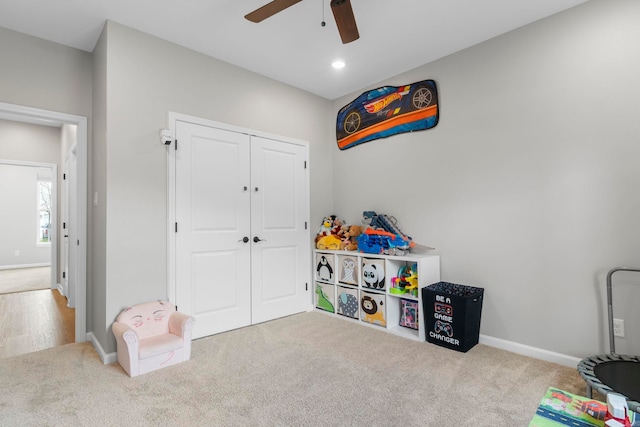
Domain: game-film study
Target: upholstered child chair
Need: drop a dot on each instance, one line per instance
(152, 335)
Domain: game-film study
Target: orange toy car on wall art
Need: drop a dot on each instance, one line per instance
(386, 111)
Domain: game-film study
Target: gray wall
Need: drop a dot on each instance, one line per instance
(25, 142)
(19, 217)
(146, 78)
(48, 76)
(528, 186)
(44, 75)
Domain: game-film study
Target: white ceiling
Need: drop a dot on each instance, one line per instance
(292, 46)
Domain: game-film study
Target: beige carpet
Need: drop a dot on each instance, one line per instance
(305, 370)
(25, 279)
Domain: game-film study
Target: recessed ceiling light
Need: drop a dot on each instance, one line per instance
(338, 64)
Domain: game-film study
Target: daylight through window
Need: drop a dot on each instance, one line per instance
(44, 211)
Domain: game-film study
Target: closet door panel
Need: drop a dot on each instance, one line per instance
(279, 211)
(213, 280)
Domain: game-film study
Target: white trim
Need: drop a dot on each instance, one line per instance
(173, 117)
(33, 115)
(106, 358)
(17, 266)
(525, 350)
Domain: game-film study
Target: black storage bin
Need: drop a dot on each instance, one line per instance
(452, 315)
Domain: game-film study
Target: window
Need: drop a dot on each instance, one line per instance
(44, 211)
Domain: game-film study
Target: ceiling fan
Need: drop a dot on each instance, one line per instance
(342, 12)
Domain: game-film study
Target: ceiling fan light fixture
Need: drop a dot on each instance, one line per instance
(338, 64)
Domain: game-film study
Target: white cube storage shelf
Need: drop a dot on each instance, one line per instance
(366, 280)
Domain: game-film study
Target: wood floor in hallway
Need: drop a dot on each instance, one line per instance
(33, 321)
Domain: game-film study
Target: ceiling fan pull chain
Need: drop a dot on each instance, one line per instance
(323, 23)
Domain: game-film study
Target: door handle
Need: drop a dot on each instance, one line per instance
(245, 239)
(256, 239)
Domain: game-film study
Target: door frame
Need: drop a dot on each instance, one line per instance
(20, 113)
(174, 117)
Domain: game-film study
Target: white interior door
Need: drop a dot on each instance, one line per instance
(212, 199)
(71, 245)
(65, 231)
(279, 215)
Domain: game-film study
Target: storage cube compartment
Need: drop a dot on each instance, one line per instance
(409, 316)
(373, 273)
(452, 315)
(325, 267)
(373, 308)
(348, 269)
(347, 301)
(325, 297)
(404, 278)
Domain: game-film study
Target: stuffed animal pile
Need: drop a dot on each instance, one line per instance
(334, 235)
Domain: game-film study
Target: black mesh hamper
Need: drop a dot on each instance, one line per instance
(452, 315)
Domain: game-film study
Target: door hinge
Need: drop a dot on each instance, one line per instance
(64, 176)
(175, 147)
(306, 286)
(305, 164)
(64, 225)
(176, 227)
(64, 274)
(305, 225)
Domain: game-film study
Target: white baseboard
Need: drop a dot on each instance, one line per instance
(525, 350)
(107, 359)
(14, 267)
(514, 347)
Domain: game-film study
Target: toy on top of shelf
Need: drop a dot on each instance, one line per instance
(350, 235)
(330, 242)
(328, 233)
(326, 226)
(382, 236)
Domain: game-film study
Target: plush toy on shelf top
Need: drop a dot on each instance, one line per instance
(350, 237)
(327, 238)
(333, 234)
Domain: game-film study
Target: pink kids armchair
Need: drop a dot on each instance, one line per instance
(152, 335)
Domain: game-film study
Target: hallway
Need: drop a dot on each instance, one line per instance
(33, 321)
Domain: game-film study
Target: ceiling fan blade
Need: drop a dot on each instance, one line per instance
(346, 22)
(270, 9)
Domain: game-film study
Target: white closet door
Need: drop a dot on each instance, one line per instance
(279, 210)
(213, 280)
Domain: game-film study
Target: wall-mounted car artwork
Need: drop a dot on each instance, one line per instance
(387, 111)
